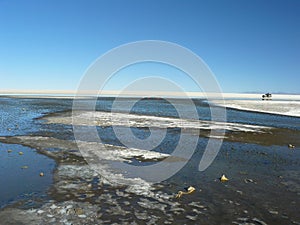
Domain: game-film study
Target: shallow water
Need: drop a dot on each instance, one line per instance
(259, 165)
(20, 175)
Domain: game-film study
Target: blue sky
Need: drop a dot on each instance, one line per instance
(249, 45)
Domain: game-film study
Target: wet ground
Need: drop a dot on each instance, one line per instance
(263, 186)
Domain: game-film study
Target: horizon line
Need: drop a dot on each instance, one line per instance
(114, 93)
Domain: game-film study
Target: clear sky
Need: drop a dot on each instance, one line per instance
(249, 45)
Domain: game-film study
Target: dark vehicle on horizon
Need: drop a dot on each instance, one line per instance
(267, 96)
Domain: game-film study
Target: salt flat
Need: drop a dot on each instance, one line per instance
(282, 104)
(280, 107)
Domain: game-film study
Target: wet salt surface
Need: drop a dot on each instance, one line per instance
(132, 120)
(257, 173)
(213, 203)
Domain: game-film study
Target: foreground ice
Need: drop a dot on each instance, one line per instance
(105, 154)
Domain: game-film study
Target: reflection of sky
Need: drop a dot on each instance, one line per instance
(15, 181)
(17, 117)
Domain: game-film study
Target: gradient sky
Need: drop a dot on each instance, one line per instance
(249, 45)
